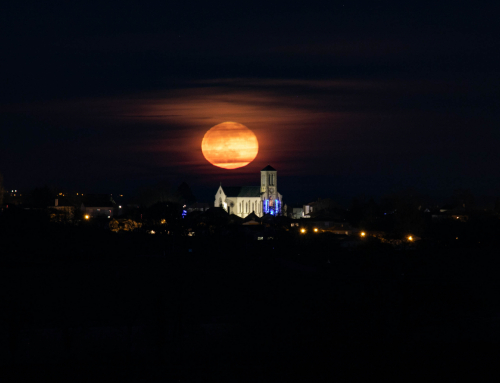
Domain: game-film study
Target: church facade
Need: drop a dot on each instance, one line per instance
(243, 200)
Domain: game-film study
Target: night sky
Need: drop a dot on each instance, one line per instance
(345, 99)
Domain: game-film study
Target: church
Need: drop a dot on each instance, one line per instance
(243, 200)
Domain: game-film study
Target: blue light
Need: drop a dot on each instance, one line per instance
(278, 207)
(184, 212)
(266, 206)
(272, 212)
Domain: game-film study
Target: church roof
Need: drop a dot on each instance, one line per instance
(267, 168)
(241, 191)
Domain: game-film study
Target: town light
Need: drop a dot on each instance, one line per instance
(410, 238)
(363, 234)
(87, 216)
(315, 230)
(302, 231)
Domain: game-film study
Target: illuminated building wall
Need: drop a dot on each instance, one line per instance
(243, 200)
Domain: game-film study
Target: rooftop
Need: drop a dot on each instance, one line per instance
(268, 168)
(241, 191)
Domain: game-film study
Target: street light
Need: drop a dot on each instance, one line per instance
(87, 216)
(315, 230)
(363, 234)
(302, 231)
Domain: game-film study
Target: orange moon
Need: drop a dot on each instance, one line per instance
(230, 145)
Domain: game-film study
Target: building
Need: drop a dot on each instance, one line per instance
(243, 200)
(62, 209)
(198, 206)
(98, 205)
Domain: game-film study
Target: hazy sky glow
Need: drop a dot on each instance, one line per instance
(349, 99)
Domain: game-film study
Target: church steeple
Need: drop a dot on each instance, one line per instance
(269, 190)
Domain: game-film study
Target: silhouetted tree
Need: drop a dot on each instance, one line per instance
(170, 211)
(42, 197)
(161, 192)
(324, 206)
(185, 195)
(407, 209)
(357, 210)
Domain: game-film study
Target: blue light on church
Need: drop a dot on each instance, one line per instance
(184, 212)
(266, 206)
(278, 203)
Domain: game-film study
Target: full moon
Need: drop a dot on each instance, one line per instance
(230, 145)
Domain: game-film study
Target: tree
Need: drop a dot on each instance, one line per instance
(43, 197)
(161, 192)
(324, 206)
(185, 195)
(406, 208)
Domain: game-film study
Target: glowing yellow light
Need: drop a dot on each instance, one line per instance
(302, 230)
(315, 230)
(152, 231)
(410, 238)
(163, 221)
(363, 233)
(87, 216)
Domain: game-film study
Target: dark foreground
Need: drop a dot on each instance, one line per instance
(143, 308)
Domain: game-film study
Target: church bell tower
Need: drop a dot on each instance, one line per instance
(271, 203)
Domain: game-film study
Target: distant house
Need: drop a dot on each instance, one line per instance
(448, 212)
(198, 206)
(62, 209)
(297, 212)
(98, 205)
(307, 210)
(14, 197)
(326, 221)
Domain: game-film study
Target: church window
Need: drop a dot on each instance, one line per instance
(271, 179)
